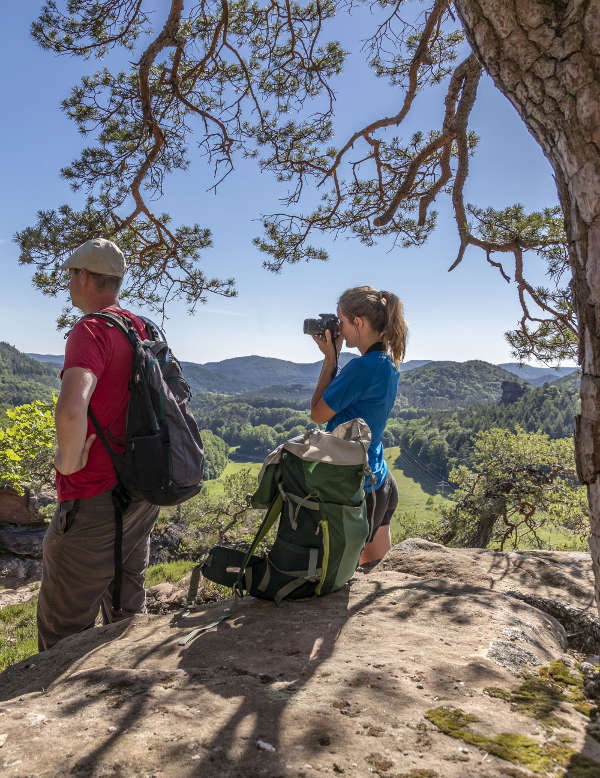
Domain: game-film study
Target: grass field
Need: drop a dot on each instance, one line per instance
(418, 500)
(215, 487)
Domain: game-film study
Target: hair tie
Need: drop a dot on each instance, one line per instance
(382, 298)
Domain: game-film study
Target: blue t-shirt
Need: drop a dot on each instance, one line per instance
(365, 389)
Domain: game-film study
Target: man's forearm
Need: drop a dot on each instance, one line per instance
(71, 431)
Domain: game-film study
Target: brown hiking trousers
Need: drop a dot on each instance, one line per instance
(79, 566)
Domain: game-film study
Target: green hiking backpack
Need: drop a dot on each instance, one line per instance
(314, 485)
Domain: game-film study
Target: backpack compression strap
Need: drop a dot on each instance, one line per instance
(270, 518)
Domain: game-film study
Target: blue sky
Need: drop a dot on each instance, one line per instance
(460, 315)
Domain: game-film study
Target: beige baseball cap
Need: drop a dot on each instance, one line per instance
(98, 256)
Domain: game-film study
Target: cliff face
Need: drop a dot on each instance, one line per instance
(397, 673)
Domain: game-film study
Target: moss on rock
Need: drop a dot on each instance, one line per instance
(560, 673)
(537, 698)
(518, 749)
(539, 695)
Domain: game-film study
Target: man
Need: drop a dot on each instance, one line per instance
(79, 547)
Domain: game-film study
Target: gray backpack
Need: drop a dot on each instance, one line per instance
(163, 460)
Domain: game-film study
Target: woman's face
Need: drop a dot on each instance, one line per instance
(348, 330)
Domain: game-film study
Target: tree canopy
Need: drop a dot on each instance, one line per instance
(257, 80)
(518, 485)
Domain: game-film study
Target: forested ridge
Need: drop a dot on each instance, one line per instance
(439, 440)
(23, 379)
(449, 385)
(439, 407)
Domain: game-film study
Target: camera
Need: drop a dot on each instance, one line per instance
(326, 321)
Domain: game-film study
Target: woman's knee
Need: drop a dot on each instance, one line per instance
(377, 548)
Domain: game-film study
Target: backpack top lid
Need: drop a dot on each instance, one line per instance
(347, 444)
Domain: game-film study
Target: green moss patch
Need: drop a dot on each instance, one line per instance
(540, 695)
(537, 698)
(539, 758)
(560, 673)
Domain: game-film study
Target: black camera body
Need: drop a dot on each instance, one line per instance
(326, 321)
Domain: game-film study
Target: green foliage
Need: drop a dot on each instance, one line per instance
(215, 454)
(18, 633)
(252, 428)
(216, 516)
(518, 483)
(27, 446)
(408, 524)
(553, 336)
(440, 440)
(23, 380)
(450, 385)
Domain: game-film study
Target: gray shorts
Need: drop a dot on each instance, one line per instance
(79, 565)
(386, 502)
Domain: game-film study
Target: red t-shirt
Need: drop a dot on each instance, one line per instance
(97, 346)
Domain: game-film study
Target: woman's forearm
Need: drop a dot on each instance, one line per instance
(326, 377)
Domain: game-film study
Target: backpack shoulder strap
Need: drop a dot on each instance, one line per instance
(120, 322)
(130, 333)
(153, 330)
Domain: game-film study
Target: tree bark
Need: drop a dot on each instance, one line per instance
(544, 55)
(482, 533)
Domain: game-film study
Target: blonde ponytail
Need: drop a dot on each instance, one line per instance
(384, 312)
(395, 330)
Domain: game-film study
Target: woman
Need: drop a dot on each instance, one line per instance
(366, 388)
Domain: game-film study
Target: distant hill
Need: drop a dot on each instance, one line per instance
(240, 375)
(23, 379)
(48, 359)
(452, 385)
(537, 375)
(245, 374)
(570, 383)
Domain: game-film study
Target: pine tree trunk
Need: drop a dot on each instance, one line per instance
(483, 532)
(544, 55)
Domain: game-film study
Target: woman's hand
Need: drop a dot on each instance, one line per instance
(330, 348)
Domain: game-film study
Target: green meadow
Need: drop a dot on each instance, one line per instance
(418, 499)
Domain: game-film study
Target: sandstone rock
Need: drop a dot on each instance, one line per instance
(19, 567)
(164, 541)
(14, 591)
(165, 597)
(16, 508)
(335, 685)
(561, 575)
(25, 541)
